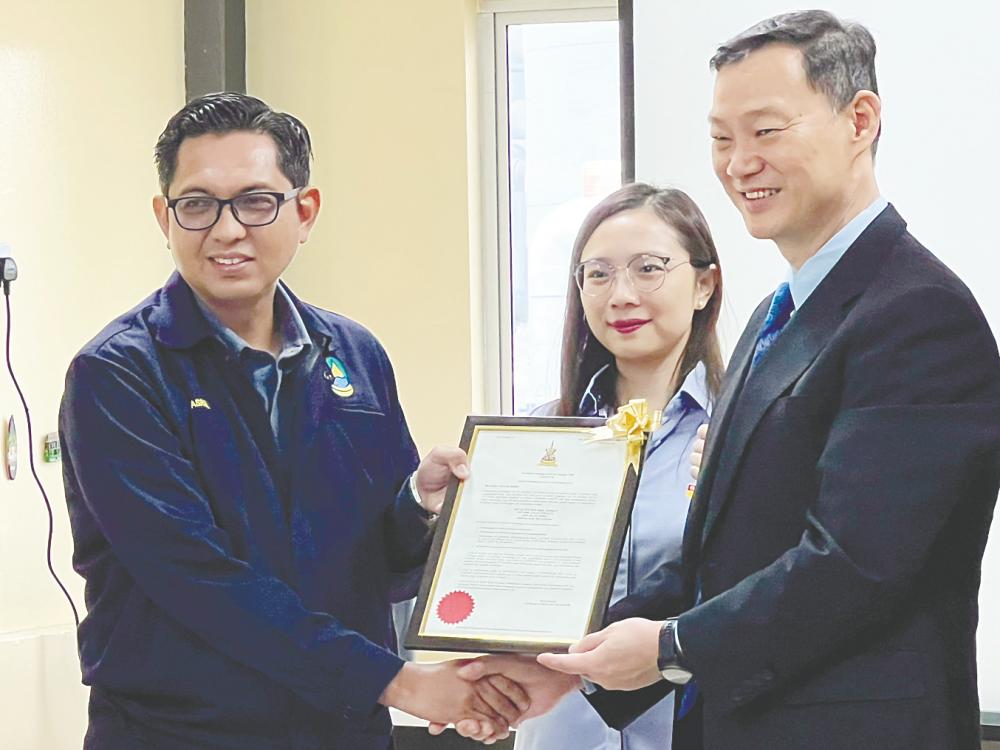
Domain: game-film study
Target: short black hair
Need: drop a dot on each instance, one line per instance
(227, 112)
(838, 56)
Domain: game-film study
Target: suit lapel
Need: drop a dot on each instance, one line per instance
(789, 356)
(722, 414)
(805, 336)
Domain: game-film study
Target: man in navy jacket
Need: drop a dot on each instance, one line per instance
(243, 490)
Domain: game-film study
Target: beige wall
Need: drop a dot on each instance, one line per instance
(84, 90)
(384, 95)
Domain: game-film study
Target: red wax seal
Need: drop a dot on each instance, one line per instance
(455, 607)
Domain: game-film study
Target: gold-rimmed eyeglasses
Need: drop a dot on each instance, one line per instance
(645, 272)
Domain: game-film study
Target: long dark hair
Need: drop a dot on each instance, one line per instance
(582, 354)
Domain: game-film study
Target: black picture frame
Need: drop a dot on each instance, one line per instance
(415, 640)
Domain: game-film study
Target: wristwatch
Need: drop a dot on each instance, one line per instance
(670, 656)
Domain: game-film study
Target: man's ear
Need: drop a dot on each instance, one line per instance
(307, 204)
(865, 111)
(162, 214)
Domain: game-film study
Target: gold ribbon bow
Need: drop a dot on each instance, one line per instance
(633, 423)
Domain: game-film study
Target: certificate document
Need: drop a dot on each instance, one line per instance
(526, 550)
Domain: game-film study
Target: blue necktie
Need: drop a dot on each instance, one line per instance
(777, 318)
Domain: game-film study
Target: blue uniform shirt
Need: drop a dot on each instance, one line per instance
(654, 537)
(266, 371)
(237, 595)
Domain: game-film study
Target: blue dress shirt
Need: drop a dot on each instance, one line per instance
(804, 281)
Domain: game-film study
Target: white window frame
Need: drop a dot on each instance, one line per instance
(495, 16)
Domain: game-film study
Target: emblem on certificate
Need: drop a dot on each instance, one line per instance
(549, 459)
(526, 550)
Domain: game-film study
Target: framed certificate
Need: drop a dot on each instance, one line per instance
(526, 550)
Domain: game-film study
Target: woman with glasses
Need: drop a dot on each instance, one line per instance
(641, 308)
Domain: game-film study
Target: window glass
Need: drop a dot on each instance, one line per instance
(564, 156)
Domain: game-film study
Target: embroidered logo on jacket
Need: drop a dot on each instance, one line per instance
(200, 403)
(341, 384)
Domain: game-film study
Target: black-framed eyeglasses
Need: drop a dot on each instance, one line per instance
(256, 209)
(645, 272)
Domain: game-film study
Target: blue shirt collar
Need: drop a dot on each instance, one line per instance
(804, 281)
(294, 335)
(693, 391)
(695, 388)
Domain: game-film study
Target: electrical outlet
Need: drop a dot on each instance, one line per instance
(52, 453)
(8, 268)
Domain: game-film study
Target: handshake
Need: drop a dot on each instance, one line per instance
(484, 697)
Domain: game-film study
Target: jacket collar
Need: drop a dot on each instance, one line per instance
(178, 323)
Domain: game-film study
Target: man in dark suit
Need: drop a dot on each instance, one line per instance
(827, 595)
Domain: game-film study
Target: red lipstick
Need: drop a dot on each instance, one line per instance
(628, 326)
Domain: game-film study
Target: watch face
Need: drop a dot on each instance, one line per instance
(676, 675)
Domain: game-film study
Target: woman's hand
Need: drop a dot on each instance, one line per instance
(698, 451)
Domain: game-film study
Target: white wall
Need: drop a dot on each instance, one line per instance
(937, 159)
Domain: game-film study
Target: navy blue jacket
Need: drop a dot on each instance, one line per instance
(237, 595)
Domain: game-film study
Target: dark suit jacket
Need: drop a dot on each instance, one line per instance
(839, 523)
